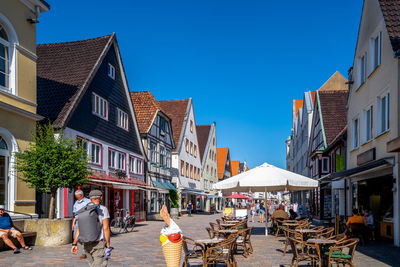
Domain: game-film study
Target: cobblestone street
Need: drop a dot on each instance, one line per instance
(142, 248)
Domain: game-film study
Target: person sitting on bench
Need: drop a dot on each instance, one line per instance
(7, 230)
(356, 218)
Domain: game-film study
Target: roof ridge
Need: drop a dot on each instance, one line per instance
(78, 41)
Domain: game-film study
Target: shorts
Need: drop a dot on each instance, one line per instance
(13, 233)
(262, 212)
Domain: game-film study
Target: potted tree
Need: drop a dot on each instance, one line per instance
(174, 200)
(52, 162)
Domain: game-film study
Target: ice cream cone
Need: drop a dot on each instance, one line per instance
(172, 253)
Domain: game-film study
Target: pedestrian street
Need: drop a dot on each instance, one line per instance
(142, 248)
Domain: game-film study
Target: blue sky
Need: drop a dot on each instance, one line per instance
(242, 62)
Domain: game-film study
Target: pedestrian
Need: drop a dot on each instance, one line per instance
(7, 230)
(257, 206)
(369, 219)
(93, 231)
(80, 202)
(252, 211)
(293, 215)
(262, 211)
(189, 208)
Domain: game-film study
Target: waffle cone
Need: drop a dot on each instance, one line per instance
(172, 253)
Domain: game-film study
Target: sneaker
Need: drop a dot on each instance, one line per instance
(16, 251)
(83, 256)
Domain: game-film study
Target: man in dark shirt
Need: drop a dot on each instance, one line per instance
(189, 208)
(7, 230)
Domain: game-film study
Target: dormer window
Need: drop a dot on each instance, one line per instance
(163, 126)
(191, 126)
(111, 71)
(99, 106)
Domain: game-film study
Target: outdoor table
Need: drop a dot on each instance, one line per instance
(209, 242)
(227, 225)
(324, 245)
(306, 233)
(227, 232)
(291, 225)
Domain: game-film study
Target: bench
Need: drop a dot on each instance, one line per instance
(29, 238)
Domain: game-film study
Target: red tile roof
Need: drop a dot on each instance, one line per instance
(313, 96)
(203, 132)
(297, 105)
(234, 167)
(222, 155)
(145, 106)
(334, 112)
(176, 110)
(391, 13)
(63, 71)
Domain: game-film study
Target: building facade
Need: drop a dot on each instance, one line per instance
(186, 164)
(17, 97)
(158, 141)
(82, 88)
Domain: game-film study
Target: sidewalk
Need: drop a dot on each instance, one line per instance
(142, 248)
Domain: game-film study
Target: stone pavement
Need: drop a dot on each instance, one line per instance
(142, 248)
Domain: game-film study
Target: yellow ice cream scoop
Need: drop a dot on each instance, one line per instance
(163, 239)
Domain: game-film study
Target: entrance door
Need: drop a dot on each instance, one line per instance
(3, 181)
(116, 201)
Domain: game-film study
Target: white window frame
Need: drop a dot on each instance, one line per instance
(182, 168)
(135, 165)
(354, 130)
(382, 127)
(95, 159)
(99, 106)
(362, 70)
(118, 159)
(375, 45)
(122, 119)
(12, 43)
(111, 71)
(368, 123)
(325, 170)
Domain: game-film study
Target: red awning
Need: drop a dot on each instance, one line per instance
(238, 196)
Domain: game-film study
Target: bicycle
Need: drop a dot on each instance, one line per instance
(122, 224)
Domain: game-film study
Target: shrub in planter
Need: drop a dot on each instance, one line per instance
(174, 200)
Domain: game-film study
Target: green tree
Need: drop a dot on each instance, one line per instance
(174, 198)
(51, 162)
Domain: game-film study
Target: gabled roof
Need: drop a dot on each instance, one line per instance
(222, 156)
(176, 110)
(64, 72)
(335, 83)
(297, 105)
(203, 132)
(333, 111)
(146, 107)
(391, 14)
(235, 167)
(313, 97)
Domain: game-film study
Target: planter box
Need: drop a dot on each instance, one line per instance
(50, 232)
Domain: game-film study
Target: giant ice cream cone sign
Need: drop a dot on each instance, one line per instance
(171, 240)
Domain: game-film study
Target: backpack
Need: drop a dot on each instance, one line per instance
(88, 223)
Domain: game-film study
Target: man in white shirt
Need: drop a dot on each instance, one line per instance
(80, 202)
(95, 250)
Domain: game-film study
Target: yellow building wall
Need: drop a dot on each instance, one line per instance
(26, 85)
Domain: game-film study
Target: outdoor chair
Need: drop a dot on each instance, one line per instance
(279, 226)
(338, 237)
(289, 233)
(358, 230)
(325, 233)
(247, 241)
(195, 251)
(240, 225)
(211, 233)
(241, 242)
(342, 252)
(219, 224)
(221, 253)
(312, 253)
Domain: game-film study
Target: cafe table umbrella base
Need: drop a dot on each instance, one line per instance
(172, 253)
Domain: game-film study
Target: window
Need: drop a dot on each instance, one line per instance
(163, 126)
(93, 150)
(116, 159)
(99, 106)
(383, 114)
(362, 67)
(187, 145)
(198, 174)
(191, 126)
(182, 168)
(111, 71)
(367, 121)
(214, 141)
(195, 173)
(163, 158)
(122, 120)
(355, 134)
(139, 166)
(153, 152)
(191, 171)
(195, 151)
(207, 170)
(191, 148)
(375, 52)
(325, 164)
(4, 60)
(135, 165)
(168, 158)
(187, 170)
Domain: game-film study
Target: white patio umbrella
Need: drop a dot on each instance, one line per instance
(266, 178)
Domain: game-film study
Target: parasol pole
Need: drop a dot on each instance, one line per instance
(266, 213)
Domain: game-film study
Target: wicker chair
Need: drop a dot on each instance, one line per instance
(279, 226)
(240, 225)
(241, 241)
(221, 253)
(342, 252)
(195, 251)
(338, 237)
(219, 224)
(325, 233)
(211, 233)
(247, 241)
(312, 255)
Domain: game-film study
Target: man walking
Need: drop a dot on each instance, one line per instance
(189, 208)
(96, 249)
(80, 202)
(7, 230)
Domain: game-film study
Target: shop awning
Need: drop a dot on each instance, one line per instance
(163, 185)
(125, 186)
(367, 167)
(193, 191)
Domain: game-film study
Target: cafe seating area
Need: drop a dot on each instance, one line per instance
(228, 237)
(315, 245)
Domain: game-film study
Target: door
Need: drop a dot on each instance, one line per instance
(3, 181)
